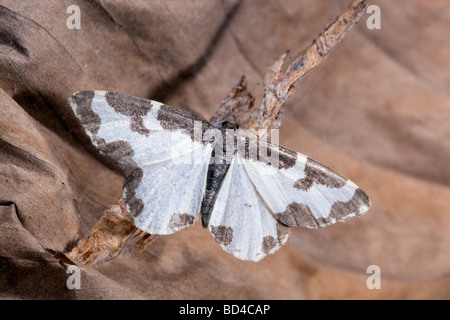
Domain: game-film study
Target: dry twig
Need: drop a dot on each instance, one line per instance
(109, 236)
(278, 87)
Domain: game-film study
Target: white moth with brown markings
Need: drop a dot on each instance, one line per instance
(248, 201)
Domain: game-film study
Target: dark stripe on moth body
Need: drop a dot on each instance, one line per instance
(223, 235)
(216, 173)
(132, 182)
(242, 145)
(258, 149)
(300, 215)
(172, 119)
(287, 157)
(89, 119)
(269, 243)
(179, 221)
(119, 152)
(297, 215)
(340, 209)
(132, 107)
(321, 174)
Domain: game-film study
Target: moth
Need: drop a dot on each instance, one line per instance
(178, 166)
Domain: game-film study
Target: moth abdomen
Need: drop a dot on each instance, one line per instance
(216, 173)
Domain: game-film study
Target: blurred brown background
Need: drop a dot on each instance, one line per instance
(378, 111)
